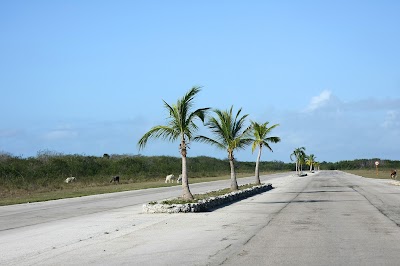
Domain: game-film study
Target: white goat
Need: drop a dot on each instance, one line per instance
(70, 179)
(179, 179)
(169, 178)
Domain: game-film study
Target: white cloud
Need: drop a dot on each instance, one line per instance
(319, 101)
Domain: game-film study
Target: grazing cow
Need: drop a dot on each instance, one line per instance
(169, 178)
(393, 175)
(114, 179)
(179, 179)
(70, 179)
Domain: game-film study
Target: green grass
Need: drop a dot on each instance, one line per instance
(79, 189)
(381, 174)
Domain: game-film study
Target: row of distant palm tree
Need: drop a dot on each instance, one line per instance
(301, 158)
(228, 129)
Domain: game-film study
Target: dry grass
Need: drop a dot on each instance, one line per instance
(381, 174)
(78, 189)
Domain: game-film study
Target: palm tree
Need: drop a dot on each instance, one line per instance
(180, 126)
(316, 166)
(310, 160)
(302, 160)
(261, 132)
(295, 155)
(299, 154)
(230, 135)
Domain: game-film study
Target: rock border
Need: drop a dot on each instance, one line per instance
(206, 204)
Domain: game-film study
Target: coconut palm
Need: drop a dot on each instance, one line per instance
(302, 161)
(316, 166)
(299, 154)
(295, 155)
(181, 126)
(230, 135)
(310, 160)
(261, 132)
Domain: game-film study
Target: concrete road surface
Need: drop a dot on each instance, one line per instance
(326, 218)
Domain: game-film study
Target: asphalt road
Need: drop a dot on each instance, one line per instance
(327, 218)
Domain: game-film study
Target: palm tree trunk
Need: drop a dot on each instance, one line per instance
(186, 194)
(257, 172)
(185, 181)
(234, 185)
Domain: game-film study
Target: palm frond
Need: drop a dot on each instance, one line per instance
(242, 143)
(163, 132)
(260, 134)
(228, 130)
(273, 139)
(200, 113)
(210, 141)
(180, 120)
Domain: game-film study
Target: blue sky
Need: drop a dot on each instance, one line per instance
(89, 77)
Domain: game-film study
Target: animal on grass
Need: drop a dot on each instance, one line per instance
(169, 178)
(70, 179)
(115, 179)
(393, 175)
(179, 179)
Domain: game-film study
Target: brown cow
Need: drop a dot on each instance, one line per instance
(393, 175)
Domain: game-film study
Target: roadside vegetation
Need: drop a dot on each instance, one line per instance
(299, 158)
(262, 138)
(366, 167)
(362, 164)
(229, 132)
(372, 173)
(181, 126)
(42, 177)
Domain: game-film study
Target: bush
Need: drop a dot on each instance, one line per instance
(48, 170)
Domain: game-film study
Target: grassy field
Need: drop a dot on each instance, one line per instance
(78, 189)
(381, 174)
(83, 189)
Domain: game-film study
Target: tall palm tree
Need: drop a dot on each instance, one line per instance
(261, 132)
(316, 166)
(181, 126)
(302, 161)
(230, 135)
(310, 160)
(298, 153)
(294, 154)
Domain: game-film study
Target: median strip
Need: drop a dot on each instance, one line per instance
(206, 204)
